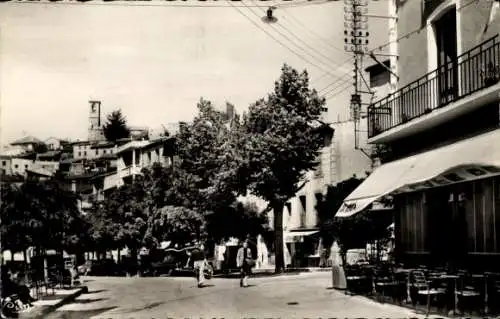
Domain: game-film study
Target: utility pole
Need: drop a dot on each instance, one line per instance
(356, 41)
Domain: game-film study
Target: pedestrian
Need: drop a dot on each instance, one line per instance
(198, 258)
(220, 252)
(245, 262)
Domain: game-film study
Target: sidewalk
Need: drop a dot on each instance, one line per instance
(411, 313)
(51, 302)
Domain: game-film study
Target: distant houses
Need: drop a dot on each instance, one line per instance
(89, 168)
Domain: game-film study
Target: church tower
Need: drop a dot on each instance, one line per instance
(95, 125)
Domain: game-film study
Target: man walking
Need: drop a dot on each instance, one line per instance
(245, 262)
(198, 258)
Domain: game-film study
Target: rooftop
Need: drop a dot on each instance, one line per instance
(140, 144)
(26, 140)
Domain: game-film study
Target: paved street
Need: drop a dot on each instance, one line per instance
(297, 296)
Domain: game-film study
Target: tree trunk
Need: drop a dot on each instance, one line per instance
(278, 237)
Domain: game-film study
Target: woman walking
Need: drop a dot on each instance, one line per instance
(245, 262)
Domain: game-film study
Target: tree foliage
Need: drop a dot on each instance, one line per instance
(178, 224)
(116, 127)
(121, 220)
(282, 144)
(366, 225)
(41, 214)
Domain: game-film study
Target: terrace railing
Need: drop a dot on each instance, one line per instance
(474, 70)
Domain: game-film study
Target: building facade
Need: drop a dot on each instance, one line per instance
(136, 155)
(439, 132)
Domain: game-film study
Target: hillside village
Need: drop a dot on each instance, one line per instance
(92, 167)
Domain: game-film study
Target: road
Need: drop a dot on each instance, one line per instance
(297, 296)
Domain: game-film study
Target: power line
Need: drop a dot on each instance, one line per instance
(323, 41)
(228, 4)
(305, 43)
(337, 90)
(380, 47)
(280, 42)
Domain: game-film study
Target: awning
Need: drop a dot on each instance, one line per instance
(297, 236)
(474, 158)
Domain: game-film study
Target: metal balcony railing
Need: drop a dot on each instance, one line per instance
(472, 71)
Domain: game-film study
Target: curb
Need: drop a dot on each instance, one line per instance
(51, 308)
(270, 273)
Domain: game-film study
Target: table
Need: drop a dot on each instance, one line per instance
(408, 283)
(485, 278)
(454, 277)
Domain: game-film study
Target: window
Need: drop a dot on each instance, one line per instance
(4, 163)
(85, 153)
(16, 166)
(25, 166)
(96, 152)
(4, 172)
(79, 154)
(380, 79)
(105, 152)
(446, 46)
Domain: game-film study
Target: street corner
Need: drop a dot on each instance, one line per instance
(53, 300)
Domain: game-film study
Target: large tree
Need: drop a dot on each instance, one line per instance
(116, 127)
(41, 214)
(282, 144)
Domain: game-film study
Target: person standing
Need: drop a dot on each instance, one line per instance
(198, 259)
(245, 262)
(220, 252)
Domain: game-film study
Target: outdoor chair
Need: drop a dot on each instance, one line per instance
(400, 290)
(421, 287)
(470, 293)
(384, 283)
(493, 305)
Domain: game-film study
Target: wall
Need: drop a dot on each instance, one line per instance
(348, 160)
(48, 165)
(19, 166)
(476, 20)
(53, 144)
(82, 151)
(6, 165)
(412, 60)
(98, 152)
(474, 16)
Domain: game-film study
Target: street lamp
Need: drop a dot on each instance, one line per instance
(269, 17)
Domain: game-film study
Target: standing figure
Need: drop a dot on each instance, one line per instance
(198, 258)
(220, 252)
(245, 262)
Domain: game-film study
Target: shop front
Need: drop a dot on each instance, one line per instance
(304, 247)
(446, 201)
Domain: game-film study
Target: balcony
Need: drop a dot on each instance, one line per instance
(439, 95)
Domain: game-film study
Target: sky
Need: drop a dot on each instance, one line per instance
(155, 61)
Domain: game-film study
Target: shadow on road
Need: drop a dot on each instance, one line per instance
(87, 301)
(206, 286)
(146, 307)
(78, 314)
(96, 291)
